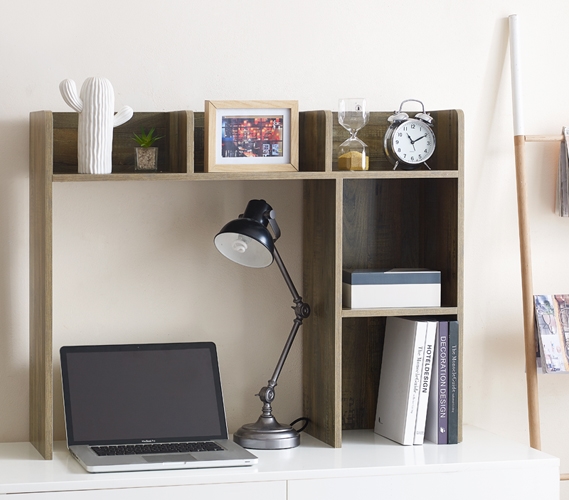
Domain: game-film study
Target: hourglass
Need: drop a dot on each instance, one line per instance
(353, 115)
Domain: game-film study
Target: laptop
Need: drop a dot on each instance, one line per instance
(146, 407)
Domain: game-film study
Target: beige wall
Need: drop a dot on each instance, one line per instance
(135, 261)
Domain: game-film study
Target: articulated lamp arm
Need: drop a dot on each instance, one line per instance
(302, 311)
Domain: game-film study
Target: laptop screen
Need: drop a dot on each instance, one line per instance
(142, 393)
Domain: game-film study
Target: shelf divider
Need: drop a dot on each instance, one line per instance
(41, 363)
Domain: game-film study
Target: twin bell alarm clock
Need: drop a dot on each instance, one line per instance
(409, 142)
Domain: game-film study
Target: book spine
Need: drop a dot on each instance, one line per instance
(453, 384)
(442, 383)
(425, 386)
(415, 391)
(436, 428)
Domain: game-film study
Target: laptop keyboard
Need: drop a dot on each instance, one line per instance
(147, 449)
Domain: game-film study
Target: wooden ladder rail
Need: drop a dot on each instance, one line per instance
(527, 286)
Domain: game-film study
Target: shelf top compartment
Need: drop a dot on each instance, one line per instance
(175, 149)
(321, 136)
(181, 151)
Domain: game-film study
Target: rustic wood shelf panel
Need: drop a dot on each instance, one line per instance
(251, 176)
(41, 368)
(415, 311)
(377, 218)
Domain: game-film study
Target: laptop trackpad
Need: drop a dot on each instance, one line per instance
(181, 457)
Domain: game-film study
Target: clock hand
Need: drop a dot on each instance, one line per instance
(412, 142)
(418, 139)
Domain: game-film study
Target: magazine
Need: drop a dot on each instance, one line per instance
(552, 332)
(563, 176)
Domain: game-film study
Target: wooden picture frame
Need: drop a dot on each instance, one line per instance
(251, 136)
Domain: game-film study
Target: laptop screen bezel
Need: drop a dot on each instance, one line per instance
(67, 403)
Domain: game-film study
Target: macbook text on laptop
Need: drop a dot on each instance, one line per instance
(146, 407)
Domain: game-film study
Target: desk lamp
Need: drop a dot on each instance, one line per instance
(248, 241)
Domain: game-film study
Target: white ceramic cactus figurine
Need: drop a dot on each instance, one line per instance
(96, 107)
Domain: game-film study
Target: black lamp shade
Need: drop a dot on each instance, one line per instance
(246, 242)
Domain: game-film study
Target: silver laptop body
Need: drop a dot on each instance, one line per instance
(146, 407)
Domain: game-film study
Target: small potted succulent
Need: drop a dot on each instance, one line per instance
(146, 154)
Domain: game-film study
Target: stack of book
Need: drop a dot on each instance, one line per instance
(418, 387)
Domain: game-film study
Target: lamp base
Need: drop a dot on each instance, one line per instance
(267, 434)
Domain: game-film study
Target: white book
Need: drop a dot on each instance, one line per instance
(427, 370)
(400, 379)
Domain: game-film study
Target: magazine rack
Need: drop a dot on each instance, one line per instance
(520, 140)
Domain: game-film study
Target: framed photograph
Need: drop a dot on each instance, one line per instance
(251, 136)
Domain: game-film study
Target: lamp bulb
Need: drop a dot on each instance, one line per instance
(239, 246)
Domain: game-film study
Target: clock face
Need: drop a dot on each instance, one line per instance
(412, 142)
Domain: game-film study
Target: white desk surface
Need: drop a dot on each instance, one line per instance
(22, 469)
